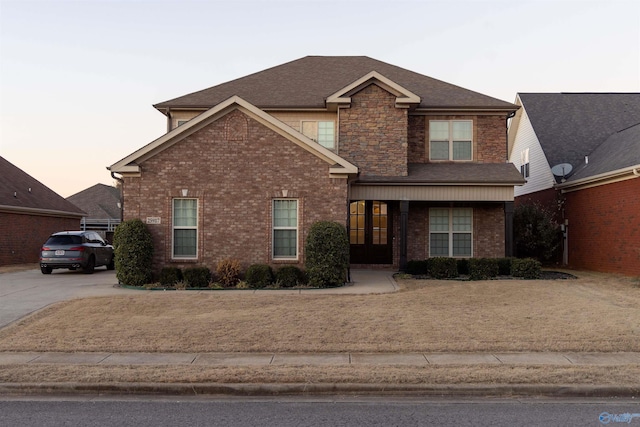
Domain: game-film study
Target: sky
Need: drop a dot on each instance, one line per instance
(78, 78)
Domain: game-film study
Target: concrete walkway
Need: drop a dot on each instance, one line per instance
(323, 359)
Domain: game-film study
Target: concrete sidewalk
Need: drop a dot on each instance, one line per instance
(323, 359)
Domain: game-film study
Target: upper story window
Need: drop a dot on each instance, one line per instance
(322, 132)
(450, 139)
(524, 163)
(181, 122)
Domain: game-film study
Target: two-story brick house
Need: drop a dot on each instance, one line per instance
(414, 167)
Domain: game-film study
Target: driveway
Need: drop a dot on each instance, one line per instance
(27, 291)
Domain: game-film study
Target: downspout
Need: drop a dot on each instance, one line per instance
(636, 172)
(508, 206)
(121, 181)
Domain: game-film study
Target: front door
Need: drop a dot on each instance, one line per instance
(370, 232)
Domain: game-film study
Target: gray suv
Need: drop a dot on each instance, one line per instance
(75, 249)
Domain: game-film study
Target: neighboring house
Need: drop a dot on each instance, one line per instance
(580, 155)
(103, 208)
(414, 167)
(29, 213)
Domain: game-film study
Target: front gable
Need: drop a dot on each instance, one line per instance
(131, 164)
(404, 97)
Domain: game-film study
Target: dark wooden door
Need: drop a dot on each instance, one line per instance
(370, 232)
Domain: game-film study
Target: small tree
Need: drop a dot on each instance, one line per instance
(133, 248)
(536, 233)
(327, 254)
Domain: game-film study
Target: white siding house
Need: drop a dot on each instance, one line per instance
(524, 145)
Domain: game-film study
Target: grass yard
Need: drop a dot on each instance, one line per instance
(596, 312)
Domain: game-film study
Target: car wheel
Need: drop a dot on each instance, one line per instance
(91, 264)
(46, 270)
(112, 264)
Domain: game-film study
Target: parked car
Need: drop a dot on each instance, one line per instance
(75, 249)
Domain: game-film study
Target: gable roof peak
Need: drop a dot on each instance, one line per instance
(307, 82)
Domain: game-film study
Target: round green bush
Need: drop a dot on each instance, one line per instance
(170, 276)
(327, 254)
(289, 276)
(197, 277)
(259, 275)
(133, 248)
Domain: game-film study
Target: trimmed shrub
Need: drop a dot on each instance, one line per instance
(417, 267)
(527, 268)
(504, 266)
(463, 266)
(197, 277)
(228, 272)
(169, 276)
(259, 275)
(483, 268)
(442, 267)
(327, 254)
(133, 249)
(290, 276)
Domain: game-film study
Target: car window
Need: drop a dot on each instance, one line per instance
(64, 240)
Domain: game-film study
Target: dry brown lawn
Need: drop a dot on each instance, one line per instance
(474, 374)
(596, 312)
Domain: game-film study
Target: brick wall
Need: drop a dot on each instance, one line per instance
(373, 133)
(417, 140)
(604, 228)
(23, 235)
(488, 230)
(235, 167)
(491, 138)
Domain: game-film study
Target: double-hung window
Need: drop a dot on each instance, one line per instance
(285, 229)
(524, 163)
(321, 132)
(185, 228)
(450, 232)
(450, 139)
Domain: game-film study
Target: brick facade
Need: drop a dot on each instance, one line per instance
(373, 133)
(235, 167)
(604, 228)
(24, 234)
(488, 229)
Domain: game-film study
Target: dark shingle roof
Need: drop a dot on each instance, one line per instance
(308, 81)
(571, 126)
(20, 190)
(621, 150)
(99, 202)
(454, 173)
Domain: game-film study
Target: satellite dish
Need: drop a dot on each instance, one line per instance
(562, 170)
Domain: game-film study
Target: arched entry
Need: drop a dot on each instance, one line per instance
(370, 232)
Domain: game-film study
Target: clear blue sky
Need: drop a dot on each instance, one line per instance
(78, 78)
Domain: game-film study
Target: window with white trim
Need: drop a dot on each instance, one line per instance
(450, 139)
(185, 228)
(450, 232)
(181, 122)
(524, 163)
(285, 229)
(322, 132)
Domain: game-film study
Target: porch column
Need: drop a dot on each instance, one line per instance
(508, 229)
(404, 219)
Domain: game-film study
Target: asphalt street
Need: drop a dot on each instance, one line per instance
(329, 411)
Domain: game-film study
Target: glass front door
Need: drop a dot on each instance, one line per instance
(370, 232)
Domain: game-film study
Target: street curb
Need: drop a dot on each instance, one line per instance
(243, 389)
